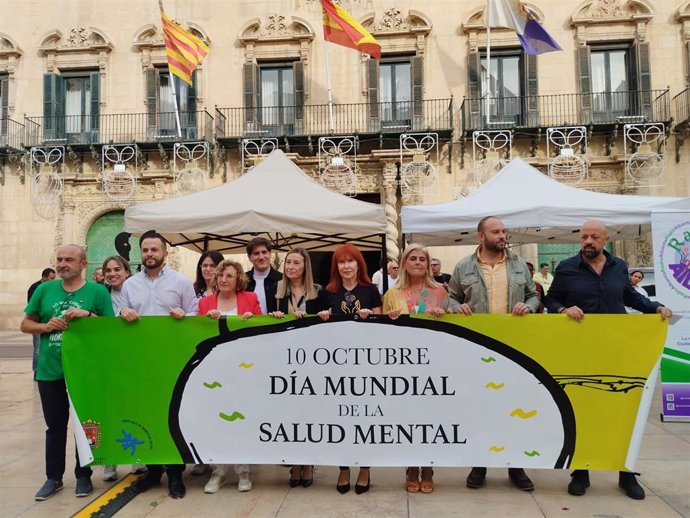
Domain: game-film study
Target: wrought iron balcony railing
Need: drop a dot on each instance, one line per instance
(681, 103)
(117, 128)
(278, 121)
(602, 108)
(11, 133)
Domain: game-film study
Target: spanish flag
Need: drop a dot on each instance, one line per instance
(341, 28)
(185, 51)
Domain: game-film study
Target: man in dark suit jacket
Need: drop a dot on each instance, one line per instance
(262, 277)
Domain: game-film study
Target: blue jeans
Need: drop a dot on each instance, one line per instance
(37, 344)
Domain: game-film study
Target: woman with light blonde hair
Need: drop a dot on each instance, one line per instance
(416, 292)
(296, 294)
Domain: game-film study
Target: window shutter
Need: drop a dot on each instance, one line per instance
(373, 94)
(417, 73)
(152, 101)
(687, 55)
(585, 75)
(50, 105)
(474, 85)
(644, 81)
(190, 117)
(298, 75)
(251, 78)
(532, 90)
(4, 101)
(95, 105)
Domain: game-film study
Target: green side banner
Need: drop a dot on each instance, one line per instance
(539, 391)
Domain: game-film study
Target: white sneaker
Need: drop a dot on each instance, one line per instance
(138, 469)
(109, 473)
(244, 484)
(214, 483)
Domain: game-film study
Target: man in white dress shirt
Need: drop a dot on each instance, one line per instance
(158, 290)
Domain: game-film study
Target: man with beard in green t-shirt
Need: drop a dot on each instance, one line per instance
(53, 305)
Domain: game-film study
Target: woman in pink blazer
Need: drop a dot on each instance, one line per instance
(229, 299)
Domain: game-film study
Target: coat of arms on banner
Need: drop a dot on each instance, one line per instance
(92, 429)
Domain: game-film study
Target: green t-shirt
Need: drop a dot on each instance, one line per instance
(51, 300)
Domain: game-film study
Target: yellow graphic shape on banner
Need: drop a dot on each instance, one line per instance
(600, 411)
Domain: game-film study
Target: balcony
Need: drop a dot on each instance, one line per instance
(681, 104)
(142, 128)
(597, 109)
(11, 135)
(360, 118)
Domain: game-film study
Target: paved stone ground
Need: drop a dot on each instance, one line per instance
(664, 463)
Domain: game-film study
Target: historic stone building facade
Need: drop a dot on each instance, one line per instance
(88, 124)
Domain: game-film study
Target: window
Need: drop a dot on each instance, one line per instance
(506, 86)
(277, 98)
(273, 99)
(71, 107)
(4, 97)
(395, 86)
(162, 123)
(514, 90)
(615, 81)
(610, 83)
(395, 93)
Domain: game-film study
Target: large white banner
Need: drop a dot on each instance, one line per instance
(378, 403)
(671, 236)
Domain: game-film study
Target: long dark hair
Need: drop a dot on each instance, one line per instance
(200, 282)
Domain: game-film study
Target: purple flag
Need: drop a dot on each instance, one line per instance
(535, 39)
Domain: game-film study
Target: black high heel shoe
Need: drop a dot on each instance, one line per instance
(359, 489)
(306, 482)
(294, 482)
(344, 488)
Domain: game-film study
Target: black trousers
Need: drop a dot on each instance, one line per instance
(56, 414)
(170, 469)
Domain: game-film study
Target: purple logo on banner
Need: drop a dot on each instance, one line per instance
(674, 258)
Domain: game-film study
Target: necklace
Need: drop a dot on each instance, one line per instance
(420, 307)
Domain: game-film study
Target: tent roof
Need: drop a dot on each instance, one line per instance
(275, 199)
(535, 209)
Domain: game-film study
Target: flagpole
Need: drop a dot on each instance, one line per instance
(177, 110)
(330, 91)
(488, 75)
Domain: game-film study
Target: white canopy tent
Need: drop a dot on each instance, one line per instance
(276, 200)
(534, 208)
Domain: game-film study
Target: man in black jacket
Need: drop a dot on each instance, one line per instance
(48, 274)
(262, 277)
(594, 281)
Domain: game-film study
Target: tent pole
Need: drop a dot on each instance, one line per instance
(384, 263)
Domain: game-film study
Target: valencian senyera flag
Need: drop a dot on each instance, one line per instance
(515, 15)
(341, 28)
(185, 51)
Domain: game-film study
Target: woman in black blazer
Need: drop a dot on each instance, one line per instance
(296, 294)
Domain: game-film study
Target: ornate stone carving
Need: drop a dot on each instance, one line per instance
(613, 11)
(78, 38)
(392, 20)
(608, 9)
(389, 191)
(641, 254)
(276, 25)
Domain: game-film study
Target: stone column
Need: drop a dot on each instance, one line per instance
(390, 203)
